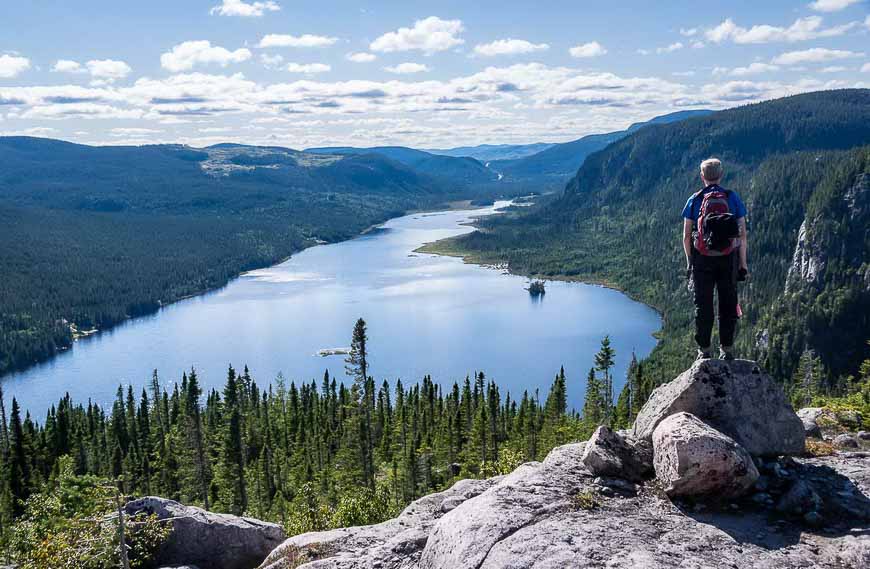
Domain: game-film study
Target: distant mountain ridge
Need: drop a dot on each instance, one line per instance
(561, 161)
(487, 152)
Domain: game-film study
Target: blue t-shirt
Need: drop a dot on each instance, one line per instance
(693, 206)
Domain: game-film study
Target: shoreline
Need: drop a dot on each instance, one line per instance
(433, 248)
(161, 304)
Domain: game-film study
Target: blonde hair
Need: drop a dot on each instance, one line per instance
(711, 169)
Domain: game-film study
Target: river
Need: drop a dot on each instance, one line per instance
(426, 314)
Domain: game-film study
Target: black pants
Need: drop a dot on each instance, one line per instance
(718, 273)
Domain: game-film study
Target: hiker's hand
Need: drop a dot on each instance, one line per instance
(742, 274)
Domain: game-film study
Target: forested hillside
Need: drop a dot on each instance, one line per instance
(618, 222)
(94, 235)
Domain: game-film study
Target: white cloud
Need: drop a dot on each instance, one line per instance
(865, 68)
(308, 67)
(508, 46)
(409, 67)
(131, 131)
(683, 73)
(430, 35)
(108, 69)
(697, 44)
(831, 5)
(801, 30)
(68, 66)
(813, 55)
(287, 40)
(361, 57)
(271, 61)
(185, 56)
(12, 65)
(751, 69)
(591, 49)
(643, 51)
(247, 10)
(834, 69)
(671, 48)
(689, 32)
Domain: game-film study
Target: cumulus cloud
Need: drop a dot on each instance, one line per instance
(508, 47)
(12, 65)
(865, 68)
(186, 55)
(68, 66)
(831, 5)
(109, 69)
(308, 67)
(409, 67)
(690, 32)
(751, 69)
(245, 9)
(801, 30)
(591, 49)
(814, 55)
(287, 40)
(361, 57)
(429, 35)
(670, 48)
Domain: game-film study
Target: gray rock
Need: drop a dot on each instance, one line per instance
(808, 416)
(863, 435)
(801, 498)
(208, 540)
(394, 544)
(845, 441)
(533, 492)
(694, 459)
(609, 454)
(530, 519)
(736, 398)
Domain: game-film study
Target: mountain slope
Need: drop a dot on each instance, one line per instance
(487, 152)
(462, 172)
(619, 222)
(561, 161)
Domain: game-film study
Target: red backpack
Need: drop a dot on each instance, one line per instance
(716, 231)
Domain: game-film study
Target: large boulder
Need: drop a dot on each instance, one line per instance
(694, 459)
(609, 454)
(736, 398)
(208, 540)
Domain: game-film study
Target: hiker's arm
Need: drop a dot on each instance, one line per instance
(687, 241)
(741, 223)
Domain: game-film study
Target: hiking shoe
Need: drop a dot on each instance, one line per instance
(703, 355)
(726, 354)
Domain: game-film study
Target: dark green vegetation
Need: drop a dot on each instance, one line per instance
(458, 172)
(310, 456)
(552, 167)
(94, 235)
(792, 160)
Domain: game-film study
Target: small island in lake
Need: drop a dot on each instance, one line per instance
(536, 288)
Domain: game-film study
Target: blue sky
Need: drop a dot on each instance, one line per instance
(424, 74)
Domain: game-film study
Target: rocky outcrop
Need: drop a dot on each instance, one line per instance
(736, 398)
(552, 515)
(208, 540)
(694, 459)
(808, 262)
(609, 454)
(396, 543)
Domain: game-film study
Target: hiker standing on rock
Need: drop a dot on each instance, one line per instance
(714, 240)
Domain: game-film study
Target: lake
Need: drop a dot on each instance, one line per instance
(426, 314)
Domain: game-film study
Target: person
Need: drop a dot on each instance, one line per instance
(715, 250)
